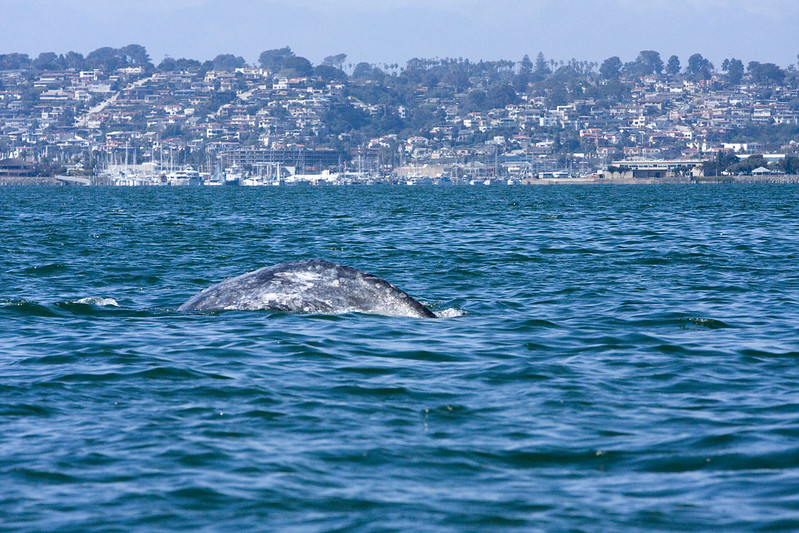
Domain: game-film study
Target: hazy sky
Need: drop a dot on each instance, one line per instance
(387, 31)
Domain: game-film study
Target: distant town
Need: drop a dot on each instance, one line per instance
(113, 117)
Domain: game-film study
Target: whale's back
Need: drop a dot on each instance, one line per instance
(310, 286)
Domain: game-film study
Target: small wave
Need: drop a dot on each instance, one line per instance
(25, 409)
(44, 270)
(99, 301)
(29, 308)
(536, 323)
(676, 320)
(357, 390)
(165, 373)
(708, 323)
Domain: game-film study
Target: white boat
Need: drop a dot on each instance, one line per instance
(184, 176)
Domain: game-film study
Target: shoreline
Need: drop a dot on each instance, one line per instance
(783, 179)
(69, 181)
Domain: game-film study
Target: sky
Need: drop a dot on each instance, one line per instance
(393, 31)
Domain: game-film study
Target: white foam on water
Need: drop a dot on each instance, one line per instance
(96, 300)
(452, 312)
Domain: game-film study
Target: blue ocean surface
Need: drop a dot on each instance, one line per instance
(617, 358)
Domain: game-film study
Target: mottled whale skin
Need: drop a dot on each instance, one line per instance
(310, 286)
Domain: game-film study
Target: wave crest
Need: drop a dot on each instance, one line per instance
(99, 301)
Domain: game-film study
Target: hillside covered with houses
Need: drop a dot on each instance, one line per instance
(114, 117)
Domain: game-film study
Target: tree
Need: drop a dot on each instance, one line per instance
(476, 99)
(378, 75)
(789, 165)
(105, 58)
(46, 61)
(648, 62)
(329, 73)
(169, 64)
(500, 95)
(171, 131)
(526, 66)
(228, 62)
(74, 60)
(67, 118)
(611, 68)
(542, 69)
(766, 72)
(522, 80)
(298, 66)
(342, 117)
(735, 71)
(749, 164)
(273, 59)
(557, 96)
(699, 68)
(14, 61)
(135, 55)
(723, 161)
(335, 60)
(362, 70)
(673, 66)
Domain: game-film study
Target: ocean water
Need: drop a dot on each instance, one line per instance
(608, 358)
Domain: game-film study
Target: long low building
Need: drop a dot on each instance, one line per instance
(16, 168)
(299, 157)
(656, 168)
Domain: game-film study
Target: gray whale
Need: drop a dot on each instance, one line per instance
(309, 286)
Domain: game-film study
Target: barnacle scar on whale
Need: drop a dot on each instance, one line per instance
(309, 286)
